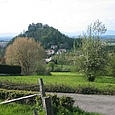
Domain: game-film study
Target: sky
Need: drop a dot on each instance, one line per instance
(68, 16)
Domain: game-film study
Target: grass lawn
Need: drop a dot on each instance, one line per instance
(18, 109)
(66, 78)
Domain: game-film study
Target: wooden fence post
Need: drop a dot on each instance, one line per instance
(45, 100)
(35, 112)
(47, 105)
(42, 89)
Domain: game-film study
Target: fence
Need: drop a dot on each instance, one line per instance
(45, 99)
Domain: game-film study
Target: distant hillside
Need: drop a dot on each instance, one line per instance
(47, 36)
(2, 39)
(108, 37)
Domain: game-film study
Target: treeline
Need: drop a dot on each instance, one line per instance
(47, 36)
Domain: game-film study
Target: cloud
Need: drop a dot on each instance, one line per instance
(65, 15)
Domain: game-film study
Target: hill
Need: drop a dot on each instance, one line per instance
(48, 36)
(8, 38)
(108, 37)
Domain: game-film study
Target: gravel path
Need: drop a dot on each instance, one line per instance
(103, 104)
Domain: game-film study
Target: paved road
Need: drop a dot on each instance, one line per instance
(94, 103)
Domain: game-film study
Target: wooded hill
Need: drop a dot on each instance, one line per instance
(47, 36)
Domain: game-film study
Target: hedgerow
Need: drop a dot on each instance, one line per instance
(62, 88)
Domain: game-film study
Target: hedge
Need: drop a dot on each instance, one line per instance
(58, 88)
(7, 69)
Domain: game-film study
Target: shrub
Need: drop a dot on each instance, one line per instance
(57, 69)
(66, 69)
(41, 69)
(18, 86)
(88, 90)
(59, 88)
(62, 104)
(11, 94)
(51, 65)
(74, 69)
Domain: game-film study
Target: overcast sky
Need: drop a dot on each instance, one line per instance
(65, 15)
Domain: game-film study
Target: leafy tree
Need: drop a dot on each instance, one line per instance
(51, 65)
(25, 52)
(93, 56)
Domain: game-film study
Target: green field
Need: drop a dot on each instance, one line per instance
(66, 78)
(58, 78)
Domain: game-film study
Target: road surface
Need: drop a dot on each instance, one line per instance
(103, 104)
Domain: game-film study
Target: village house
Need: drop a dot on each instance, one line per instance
(50, 52)
(54, 46)
(60, 51)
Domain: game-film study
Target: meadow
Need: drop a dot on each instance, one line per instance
(64, 78)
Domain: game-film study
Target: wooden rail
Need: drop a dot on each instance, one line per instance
(21, 98)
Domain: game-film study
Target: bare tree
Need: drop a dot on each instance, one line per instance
(25, 52)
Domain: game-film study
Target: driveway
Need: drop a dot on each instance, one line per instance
(103, 104)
